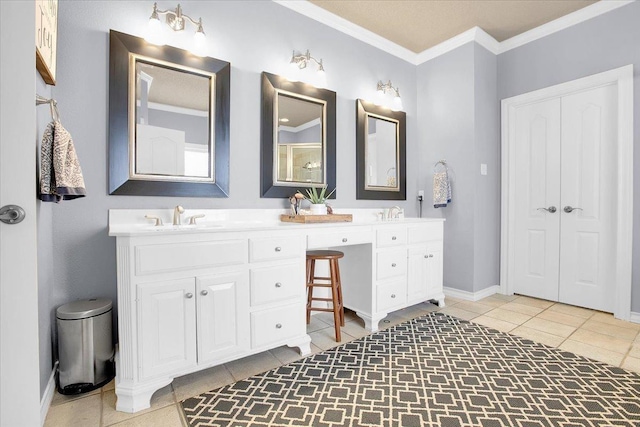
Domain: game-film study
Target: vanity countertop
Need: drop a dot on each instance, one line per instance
(132, 222)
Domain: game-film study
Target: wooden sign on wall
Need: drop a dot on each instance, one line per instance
(46, 39)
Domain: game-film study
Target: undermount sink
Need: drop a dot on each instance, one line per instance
(182, 227)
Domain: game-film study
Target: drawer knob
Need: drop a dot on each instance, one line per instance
(344, 239)
(278, 325)
(204, 292)
(278, 285)
(189, 295)
(393, 265)
(393, 295)
(393, 238)
(278, 248)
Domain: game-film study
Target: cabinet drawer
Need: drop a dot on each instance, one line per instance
(391, 263)
(276, 283)
(273, 248)
(425, 233)
(276, 325)
(164, 258)
(391, 295)
(391, 236)
(338, 239)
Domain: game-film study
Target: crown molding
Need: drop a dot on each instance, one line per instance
(475, 34)
(323, 16)
(580, 15)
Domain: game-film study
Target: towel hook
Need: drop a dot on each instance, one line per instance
(53, 106)
(440, 162)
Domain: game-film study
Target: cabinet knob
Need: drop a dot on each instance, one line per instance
(278, 285)
(393, 265)
(278, 326)
(278, 248)
(204, 292)
(426, 256)
(344, 239)
(430, 255)
(189, 295)
(393, 238)
(393, 295)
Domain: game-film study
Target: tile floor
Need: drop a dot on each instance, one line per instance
(586, 332)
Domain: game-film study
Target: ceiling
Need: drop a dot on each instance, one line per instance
(418, 25)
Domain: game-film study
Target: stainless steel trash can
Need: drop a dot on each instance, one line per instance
(85, 345)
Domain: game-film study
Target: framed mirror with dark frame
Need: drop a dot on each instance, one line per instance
(380, 153)
(168, 121)
(298, 137)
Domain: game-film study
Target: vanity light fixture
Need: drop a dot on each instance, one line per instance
(383, 89)
(176, 20)
(300, 61)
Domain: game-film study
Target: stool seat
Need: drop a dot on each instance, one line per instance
(333, 282)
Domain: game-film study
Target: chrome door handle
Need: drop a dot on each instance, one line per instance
(550, 209)
(11, 214)
(569, 209)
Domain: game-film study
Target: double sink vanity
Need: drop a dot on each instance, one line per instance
(198, 295)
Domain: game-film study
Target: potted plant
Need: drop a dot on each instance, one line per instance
(318, 200)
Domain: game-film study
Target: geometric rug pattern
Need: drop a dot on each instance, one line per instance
(435, 370)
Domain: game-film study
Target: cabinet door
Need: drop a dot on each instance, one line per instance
(166, 327)
(417, 274)
(424, 272)
(223, 315)
(434, 269)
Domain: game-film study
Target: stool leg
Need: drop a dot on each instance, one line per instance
(311, 264)
(336, 299)
(339, 280)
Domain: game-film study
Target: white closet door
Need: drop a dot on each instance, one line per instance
(537, 187)
(588, 177)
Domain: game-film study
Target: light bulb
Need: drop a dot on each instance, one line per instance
(155, 32)
(397, 103)
(199, 40)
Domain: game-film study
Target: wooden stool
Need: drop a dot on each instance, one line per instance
(333, 283)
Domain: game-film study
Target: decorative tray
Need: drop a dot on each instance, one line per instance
(307, 219)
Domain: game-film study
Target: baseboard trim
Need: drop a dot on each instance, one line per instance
(634, 317)
(47, 397)
(471, 296)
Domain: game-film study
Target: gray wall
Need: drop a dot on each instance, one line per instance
(254, 36)
(196, 128)
(46, 271)
(446, 117)
(600, 44)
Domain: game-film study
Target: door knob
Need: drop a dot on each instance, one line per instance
(11, 214)
(550, 209)
(569, 209)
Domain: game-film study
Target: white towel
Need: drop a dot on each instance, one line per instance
(441, 189)
(60, 172)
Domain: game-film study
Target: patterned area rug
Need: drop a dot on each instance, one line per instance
(435, 370)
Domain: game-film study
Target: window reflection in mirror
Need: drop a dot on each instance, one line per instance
(381, 147)
(300, 153)
(173, 110)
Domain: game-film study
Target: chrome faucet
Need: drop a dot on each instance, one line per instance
(177, 211)
(391, 214)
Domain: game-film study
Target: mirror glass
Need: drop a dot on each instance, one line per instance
(173, 110)
(380, 152)
(168, 120)
(381, 147)
(298, 137)
(300, 154)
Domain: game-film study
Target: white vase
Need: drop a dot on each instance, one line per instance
(318, 209)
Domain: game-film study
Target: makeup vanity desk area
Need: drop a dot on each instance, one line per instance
(192, 297)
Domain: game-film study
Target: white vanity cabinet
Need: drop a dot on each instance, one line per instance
(189, 301)
(192, 297)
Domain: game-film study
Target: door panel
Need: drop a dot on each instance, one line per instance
(589, 152)
(223, 315)
(537, 186)
(167, 327)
